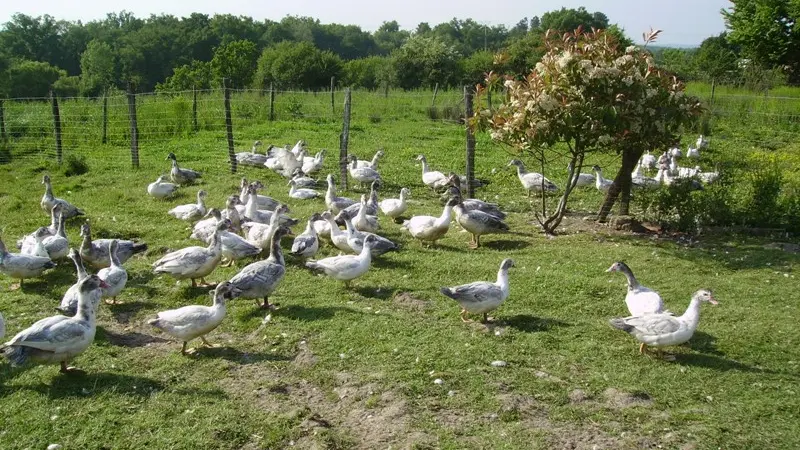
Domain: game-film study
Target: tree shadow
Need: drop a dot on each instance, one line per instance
(307, 314)
(532, 324)
(507, 245)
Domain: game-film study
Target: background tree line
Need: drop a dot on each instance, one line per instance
(170, 53)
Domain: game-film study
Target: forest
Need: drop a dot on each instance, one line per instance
(168, 53)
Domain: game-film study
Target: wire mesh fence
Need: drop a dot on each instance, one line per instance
(88, 124)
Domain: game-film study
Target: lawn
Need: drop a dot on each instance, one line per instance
(344, 368)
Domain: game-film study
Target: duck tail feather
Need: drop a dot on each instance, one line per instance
(16, 355)
(446, 291)
(620, 324)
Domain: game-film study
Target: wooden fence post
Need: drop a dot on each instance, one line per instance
(194, 109)
(2, 120)
(333, 86)
(134, 126)
(229, 125)
(344, 139)
(435, 91)
(386, 90)
(713, 88)
(105, 117)
(56, 126)
(271, 102)
(470, 143)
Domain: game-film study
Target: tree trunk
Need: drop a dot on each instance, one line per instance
(549, 226)
(621, 186)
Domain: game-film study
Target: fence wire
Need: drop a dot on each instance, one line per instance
(170, 119)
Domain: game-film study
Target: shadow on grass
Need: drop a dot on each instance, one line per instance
(237, 356)
(307, 314)
(506, 245)
(131, 339)
(85, 385)
(379, 293)
(533, 324)
(702, 342)
(722, 364)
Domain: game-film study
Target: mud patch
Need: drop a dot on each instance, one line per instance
(619, 399)
(305, 357)
(408, 301)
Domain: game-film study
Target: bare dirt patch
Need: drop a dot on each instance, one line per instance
(619, 399)
(408, 301)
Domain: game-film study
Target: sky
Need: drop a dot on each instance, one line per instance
(685, 22)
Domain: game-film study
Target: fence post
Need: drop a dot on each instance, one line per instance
(105, 116)
(435, 91)
(134, 126)
(470, 142)
(271, 102)
(56, 125)
(713, 88)
(333, 86)
(344, 139)
(229, 125)
(386, 90)
(2, 120)
(194, 109)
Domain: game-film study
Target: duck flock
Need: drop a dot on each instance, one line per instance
(251, 225)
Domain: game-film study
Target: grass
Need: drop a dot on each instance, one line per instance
(343, 368)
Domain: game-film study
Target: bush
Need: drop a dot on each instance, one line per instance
(294, 106)
(75, 165)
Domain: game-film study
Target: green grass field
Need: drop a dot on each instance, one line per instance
(355, 368)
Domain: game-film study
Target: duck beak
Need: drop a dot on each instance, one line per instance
(104, 285)
(611, 269)
(713, 301)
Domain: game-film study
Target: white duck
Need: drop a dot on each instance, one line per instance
(261, 234)
(648, 161)
(301, 193)
(355, 239)
(313, 165)
(57, 246)
(583, 179)
(192, 262)
(232, 214)
(115, 275)
(306, 244)
(532, 181)
(480, 297)
(69, 302)
(364, 222)
(675, 152)
(363, 175)
(338, 237)
(346, 267)
(252, 158)
(58, 339)
(693, 152)
(37, 249)
(602, 184)
(195, 321)
(298, 147)
(321, 226)
(702, 142)
(22, 266)
(260, 279)
(235, 247)
(477, 223)
(334, 203)
(430, 177)
(639, 299)
(395, 207)
(2, 326)
(204, 229)
(302, 181)
(48, 201)
(29, 239)
(275, 158)
(191, 211)
(372, 164)
(660, 330)
(262, 201)
(161, 188)
(372, 206)
(706, 177)
(429, 229)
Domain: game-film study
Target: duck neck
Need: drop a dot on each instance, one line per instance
(375, 159)
(79, 267)
(251, 208)
(219, 301)
(365, 254)
(521, 170)
(275, 252)
(424, 165)
(402, 197)
(61, 231)
(86, 307)
(244, 195)
(114, 258)
(3, 251)
(216, 242)
(632, 282)
(692, 314)
(598, 177)
(87, 240)
(200, 202)
(502, 279)
(175, 164)
(348, 224)
(310, 228)
(444, 219)
(331, 192)
(53, 219)
(48, 189)
(233, 216)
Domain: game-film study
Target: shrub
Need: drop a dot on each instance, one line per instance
(294, 106)
(75, 165)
